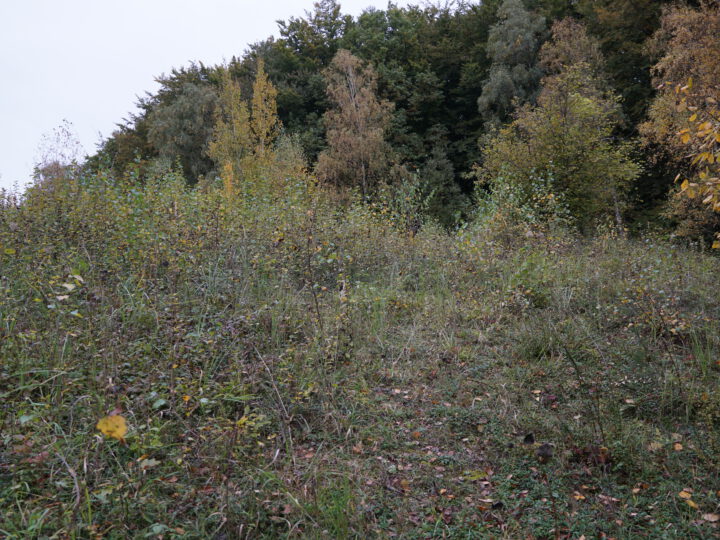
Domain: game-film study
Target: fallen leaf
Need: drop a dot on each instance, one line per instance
(712, 518)
(149, 463)
(685, 495)
(113, 426)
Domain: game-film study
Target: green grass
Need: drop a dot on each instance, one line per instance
(290, 370)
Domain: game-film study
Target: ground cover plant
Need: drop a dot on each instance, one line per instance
(287, 365)
(203, 334)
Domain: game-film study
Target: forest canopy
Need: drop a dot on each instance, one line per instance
(442, 88)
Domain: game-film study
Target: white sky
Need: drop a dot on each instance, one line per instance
(87, 60)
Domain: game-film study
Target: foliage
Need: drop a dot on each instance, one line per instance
(623, 26)
(181, 130)
(357, 156)
(436, 63)
(231, 140)
(571, 45)
(243, 138)
(513, 44)
(113, 426)
(513, 211)
(433, 63)
(288, 367)
(264, 123)
(566, 139)
(684, 117)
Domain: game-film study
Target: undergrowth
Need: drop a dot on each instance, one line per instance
(291, 367)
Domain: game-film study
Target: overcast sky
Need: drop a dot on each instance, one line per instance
(87, 60)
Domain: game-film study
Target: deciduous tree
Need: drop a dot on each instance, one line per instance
(566, 141)
(182, 128)
(513, 45)
(231, 139)
(684, 117)
(264, 122)
(357, 154)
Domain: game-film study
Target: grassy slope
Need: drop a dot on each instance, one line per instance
(289, 371)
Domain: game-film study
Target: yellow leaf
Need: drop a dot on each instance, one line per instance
(691, 503)
(685, 138)
(685, 495)
(693, 117)
(678, 447)
(716, 244)
(685, 185)
(113, 426)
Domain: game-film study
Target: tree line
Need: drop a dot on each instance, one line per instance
(576, 111)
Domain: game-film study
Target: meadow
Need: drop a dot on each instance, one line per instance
(291, 365)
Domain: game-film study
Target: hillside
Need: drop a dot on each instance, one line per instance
(290, 368)
(438, 272)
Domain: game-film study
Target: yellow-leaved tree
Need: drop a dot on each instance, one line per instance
(357, 155)
(231, 141)
(264, 123)
(243, 138)
(684, 118)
